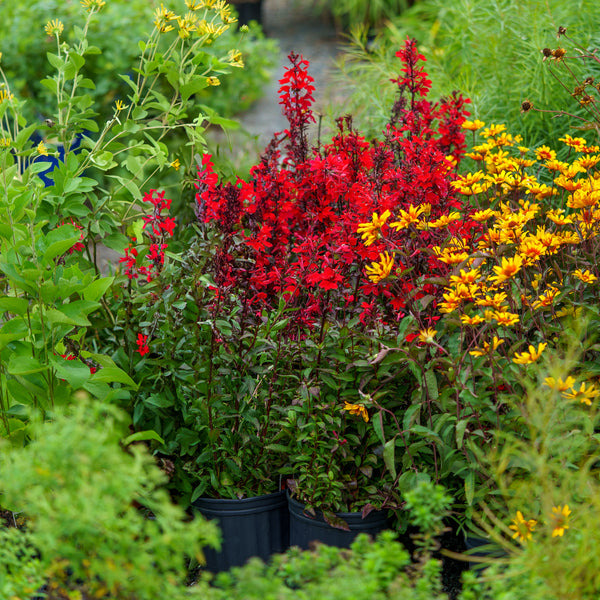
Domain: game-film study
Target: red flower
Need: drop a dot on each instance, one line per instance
(142, 344)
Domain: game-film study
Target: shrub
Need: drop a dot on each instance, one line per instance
(97, 520)
(491, 52)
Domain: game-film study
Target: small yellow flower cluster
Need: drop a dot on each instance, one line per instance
(523, 235)
(54, 27)
(357, 409)
(190, 22)
(90, 5)
(524, 528)
(585, 394)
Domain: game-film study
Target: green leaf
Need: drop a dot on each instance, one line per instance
(74, 372)
(95, 290)
(16, 306)
(25, 365)
(389, 456)
(113, 375)
(409, 414)
(74, 313)
(56, 61)
(329, 381)
(193, 87)
(470, 487)
(432, 386)
(59, 241)
(143, 436)
(378, 427)
(460, 432)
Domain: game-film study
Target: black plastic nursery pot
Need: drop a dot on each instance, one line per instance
(256, 526)
(304, 528)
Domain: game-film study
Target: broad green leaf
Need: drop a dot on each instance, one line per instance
(59, 241)
(56, 61)
(25, 365)
(74, 372)
(193, 87)
(16, 306)
(95, 290)
(113, 375)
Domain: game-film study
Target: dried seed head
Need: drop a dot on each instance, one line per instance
(561, 31)
(547, 52)
(558, 53)
(586, 99)
(588, 81)
(578, 91)
(526, 106)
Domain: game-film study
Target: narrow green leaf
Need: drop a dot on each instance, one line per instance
(389, 456)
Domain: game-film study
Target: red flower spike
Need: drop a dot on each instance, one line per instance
(142, 345)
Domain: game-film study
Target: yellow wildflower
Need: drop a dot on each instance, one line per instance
(545, 153)
(585, 276)
(507, 269)
(487, 347)
(526, 358)
(584, 394)
(466, 277)
(474, 320)
(187, 25)
(120, 106)
(548, 298)
(214, 81)
(588, 161)
(531, 249)
(5, 142)
(560, 519)
(41, 149)
(558, 384)
(357, 409)
(378, 271)
(473, 125)
(407, 217)
(505, 318)
(483, 215)
(91, 4)
(5, 95)
(555, 165)
(496, 302)
(372, 231)
(558, 217)
(577, 143)
(54, 27)
(443, 221)
(176, 164)
(162, 16)
(493, 130)
(194, 4)
(522, 528)
(426, 335)
(234, 58)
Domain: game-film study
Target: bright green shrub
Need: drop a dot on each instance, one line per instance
(97, 519)
(372, 13)
(116, 32)
(491, 52)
